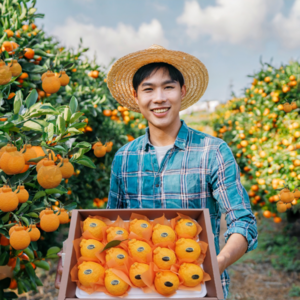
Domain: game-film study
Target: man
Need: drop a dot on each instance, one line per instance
(172, 165)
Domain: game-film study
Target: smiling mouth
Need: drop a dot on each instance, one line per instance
(160, 110)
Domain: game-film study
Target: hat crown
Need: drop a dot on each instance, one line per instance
(154, 46)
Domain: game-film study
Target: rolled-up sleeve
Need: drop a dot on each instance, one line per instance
(115, 193)
(232, 197)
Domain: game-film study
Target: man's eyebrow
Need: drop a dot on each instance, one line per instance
(165, 82)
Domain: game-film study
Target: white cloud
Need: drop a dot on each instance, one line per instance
(110, 42)
(287, 28)
(237, 22)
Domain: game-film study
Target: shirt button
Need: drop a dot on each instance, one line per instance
(157, 185)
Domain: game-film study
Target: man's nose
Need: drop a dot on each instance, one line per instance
(159, 96)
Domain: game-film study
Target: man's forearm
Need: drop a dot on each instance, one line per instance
(234, 249)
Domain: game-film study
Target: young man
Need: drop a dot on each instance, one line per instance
(172, 165)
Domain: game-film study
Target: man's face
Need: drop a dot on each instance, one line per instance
(159, 98)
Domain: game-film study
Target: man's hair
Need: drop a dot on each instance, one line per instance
(145, 71)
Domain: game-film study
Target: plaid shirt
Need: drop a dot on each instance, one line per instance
(200, 171)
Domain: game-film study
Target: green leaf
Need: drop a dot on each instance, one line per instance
(83, 145)
(32, 68)
(29, 125)
(86, 161)
(39, 195)
(73, 105)
(75, 116)
(22, 207)
(50, 131)
(61, 190)
(113, 243)
(42, 264)
(32, 215)
(61, 124)
(5, 218)
(67, 114)
(29, 252)
(25, 220)
(18, 101)
(4, 257)
(37, 159)
(31, 98)
(70, 206)
(53, 250)
(10, 295)
(19, 177)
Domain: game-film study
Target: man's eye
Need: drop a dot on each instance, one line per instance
(169, 87)
(149, 89)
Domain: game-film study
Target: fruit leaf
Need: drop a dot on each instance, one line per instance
(83, 145)
(4, 257)
(39, 195)
(18, 101)
(53, 250)
(73, 105)
(86, 161)
(32, 215)
(25, 220)
(70, 206)
(5, 218)
(42, 264)
(31, 98)
(30, 125)
(29, 253)
(75, 116)
(61, 190)
(19, 177)
(113, 243)
(37, 159)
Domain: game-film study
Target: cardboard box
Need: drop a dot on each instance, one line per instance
(214, 286)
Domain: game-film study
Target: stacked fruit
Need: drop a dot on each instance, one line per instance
(160, 255)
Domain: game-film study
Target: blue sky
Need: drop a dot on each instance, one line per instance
(228, 36)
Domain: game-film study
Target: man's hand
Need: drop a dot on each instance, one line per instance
(234, 249)
(58, 271)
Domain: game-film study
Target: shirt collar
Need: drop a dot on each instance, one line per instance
(181, 139)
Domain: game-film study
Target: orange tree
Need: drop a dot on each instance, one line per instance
(263, 130)
(54, 105)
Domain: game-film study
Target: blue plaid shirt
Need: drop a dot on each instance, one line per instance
(200, 171)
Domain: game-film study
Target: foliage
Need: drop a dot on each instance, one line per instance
(263, 137)
(68, 122)
(294, 291)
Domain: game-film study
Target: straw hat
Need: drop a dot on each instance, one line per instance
(119, 78)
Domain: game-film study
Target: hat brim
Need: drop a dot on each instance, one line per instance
(119, 78)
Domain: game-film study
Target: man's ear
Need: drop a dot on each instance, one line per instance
(134, 93)
(183, 91)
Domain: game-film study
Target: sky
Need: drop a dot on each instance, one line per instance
(228, 36)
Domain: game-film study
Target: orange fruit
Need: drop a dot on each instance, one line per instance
(49, 221)
(186, 228)
(164, 258)
(51, 84)
(15, 68)
(28, 153)
(113, 232)
(94, 226)
(19, 239)
(187, 249)
(191, 274)
(29, 53)
(287, 107)
(26, 167)
(38, 150)
(10, 96)
(162, 233)
(12, 162)
(45, 74)
(100, 151)
(267, 214)
(107, 112)
(98, 144)
(66, 168)
(40, 163)
(166, 283)
(22, 194)
(43, 212)
(285, 195)
(13, 284)
(139, 249)
(89, 248)
(8, 200)
(64, 78)
(115, 285)
(49, 176)
(3, 240)
(63, 216)
(9, 33)
(139, 227)
(118, 254)
(90, 272)
(12, 229)
(135, 272)
(277, 220)
(34, 233)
